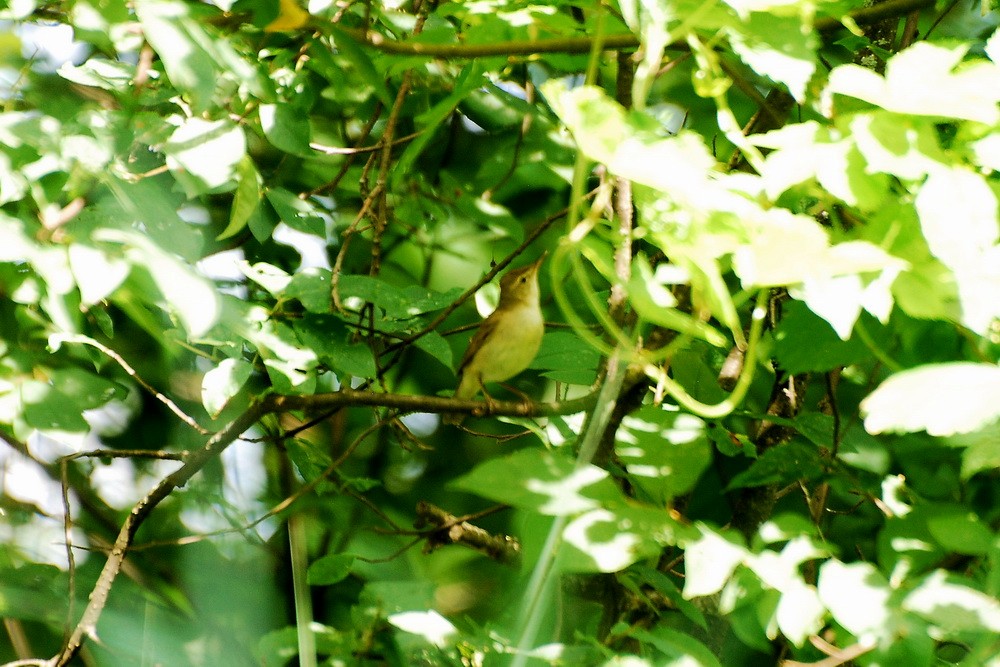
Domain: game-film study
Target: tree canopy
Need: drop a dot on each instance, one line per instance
(244, 244)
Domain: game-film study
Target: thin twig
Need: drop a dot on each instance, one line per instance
(173, 407)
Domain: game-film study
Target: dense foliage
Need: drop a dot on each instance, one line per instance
(239, 245)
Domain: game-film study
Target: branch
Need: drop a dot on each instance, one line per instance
(619, 42)
(196, 460)
(450, 529)
(87, 626)
(438, 404)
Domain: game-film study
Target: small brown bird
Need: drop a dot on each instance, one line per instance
(508, 340)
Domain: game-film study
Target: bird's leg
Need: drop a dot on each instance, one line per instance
(525, 399)
(491, 403)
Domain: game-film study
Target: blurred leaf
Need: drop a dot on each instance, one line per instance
(710, 559)
(677, 647)
(970, 91)
(858, 597)
(245, 199)
(223, 382)
(204, 155)
(330, 569)
(97, 273)
(610, 538)
(286, 127)
(779, 47)
(49, 409)
(942, 399)
(181, 44)
(961, 531)
(192, 297)
(953, 607)
(545, 482)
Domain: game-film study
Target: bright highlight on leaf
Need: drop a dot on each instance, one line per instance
(942, 399)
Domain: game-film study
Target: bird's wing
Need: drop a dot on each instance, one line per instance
(485, 329)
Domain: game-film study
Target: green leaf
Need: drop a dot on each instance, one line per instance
(942, 399)
(245, 199)
(335, 345)
(470, 79)
(895, 144)
(779, 47)
(804, 342)
(857, 595)
(437, 348)
(223, 382)
(666, 587)
(564, 357)
(788, 462)
(58, 405)
(397, 302)
(953, 607)
(710, 560)
(677, 647)
(297, 213)
(926, 80)
(330, 569)
(663, 451)
(609, 539)
(180, 43)
(286, 127)
(97, 273)
(203, 155)
(630, 145)
(312, 288)
(192, 297)
(545, 482)
(655, 303)
(958, 216)
(961, 531)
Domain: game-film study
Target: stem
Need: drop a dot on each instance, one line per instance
(300, 586)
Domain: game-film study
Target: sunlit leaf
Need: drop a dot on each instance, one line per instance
(545, 482)
(223, 382)
(942, 399)
(926, 79)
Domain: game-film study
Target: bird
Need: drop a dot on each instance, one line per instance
(506, 341)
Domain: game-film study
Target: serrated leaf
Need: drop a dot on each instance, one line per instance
(942, 399)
